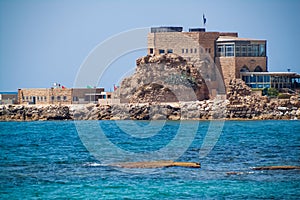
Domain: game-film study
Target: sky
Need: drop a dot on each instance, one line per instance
(46, 41)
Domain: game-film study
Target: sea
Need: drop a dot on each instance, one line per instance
(78, 159)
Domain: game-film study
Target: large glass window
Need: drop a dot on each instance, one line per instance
(252, 78)
(260, 79)
(249, 50)
(221, 50)
(255, 50)
(266, 79)
(246, 79)
(237, 50)
(262, 50)
(229, 50)
(244, 51)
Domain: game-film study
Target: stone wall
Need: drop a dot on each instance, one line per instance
(227, 66)
(251, 63)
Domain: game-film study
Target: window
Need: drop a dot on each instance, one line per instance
(65, 98)
(52, 98)
(191, 50)
(260, 79)
(75, 98)
(221, 50)
(249, 52)
(161, 51)
(151, 50)
(45, 98)
(237, 50)
(266, 79)
(258, 69)
(244, 69)
(229, 50)
(262, 50)
(246, 79)
(255, 50)
(244, 51)
(58, 98)
(201, 50)
(260, 86)
(170, 51)
(195, 50)
(186, 50)
(252, 78)
(182, 50)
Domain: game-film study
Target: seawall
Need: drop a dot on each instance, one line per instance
(196, 110)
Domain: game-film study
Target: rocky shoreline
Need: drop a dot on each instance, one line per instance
(197, 110)
(238, 104)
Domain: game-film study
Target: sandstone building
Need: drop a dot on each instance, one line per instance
(234, 57)
(230, 53)
(58, 95)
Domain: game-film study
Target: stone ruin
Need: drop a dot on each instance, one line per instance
(163, 78)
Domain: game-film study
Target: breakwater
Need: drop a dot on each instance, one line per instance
(248, 108)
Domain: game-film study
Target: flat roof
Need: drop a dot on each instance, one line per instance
(232, 39)
(294, 74)
(8, 92)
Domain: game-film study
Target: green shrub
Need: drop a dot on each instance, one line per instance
(284, 96)
(272, 92)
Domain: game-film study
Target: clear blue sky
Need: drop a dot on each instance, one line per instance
(42, 42)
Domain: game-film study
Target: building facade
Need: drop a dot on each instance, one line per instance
(59, 95)
(278, 80)
(230, 53)
(8, 97)
(234, 57)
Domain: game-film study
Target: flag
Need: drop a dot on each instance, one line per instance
(204, 20)
(63, 87)
(115, 87)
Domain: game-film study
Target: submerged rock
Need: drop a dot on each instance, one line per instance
(156, 164)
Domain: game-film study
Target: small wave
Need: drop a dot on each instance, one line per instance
(93, 164)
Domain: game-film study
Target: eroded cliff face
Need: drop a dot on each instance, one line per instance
(163, 78)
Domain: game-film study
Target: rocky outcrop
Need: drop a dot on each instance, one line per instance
(29, 113)
(157, 164)
(163, 78)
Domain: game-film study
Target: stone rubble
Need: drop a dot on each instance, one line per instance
(235, 107)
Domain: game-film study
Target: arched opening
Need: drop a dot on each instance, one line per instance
(244, 69)
(258, 69)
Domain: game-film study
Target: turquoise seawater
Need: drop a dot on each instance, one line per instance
(47, 160)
